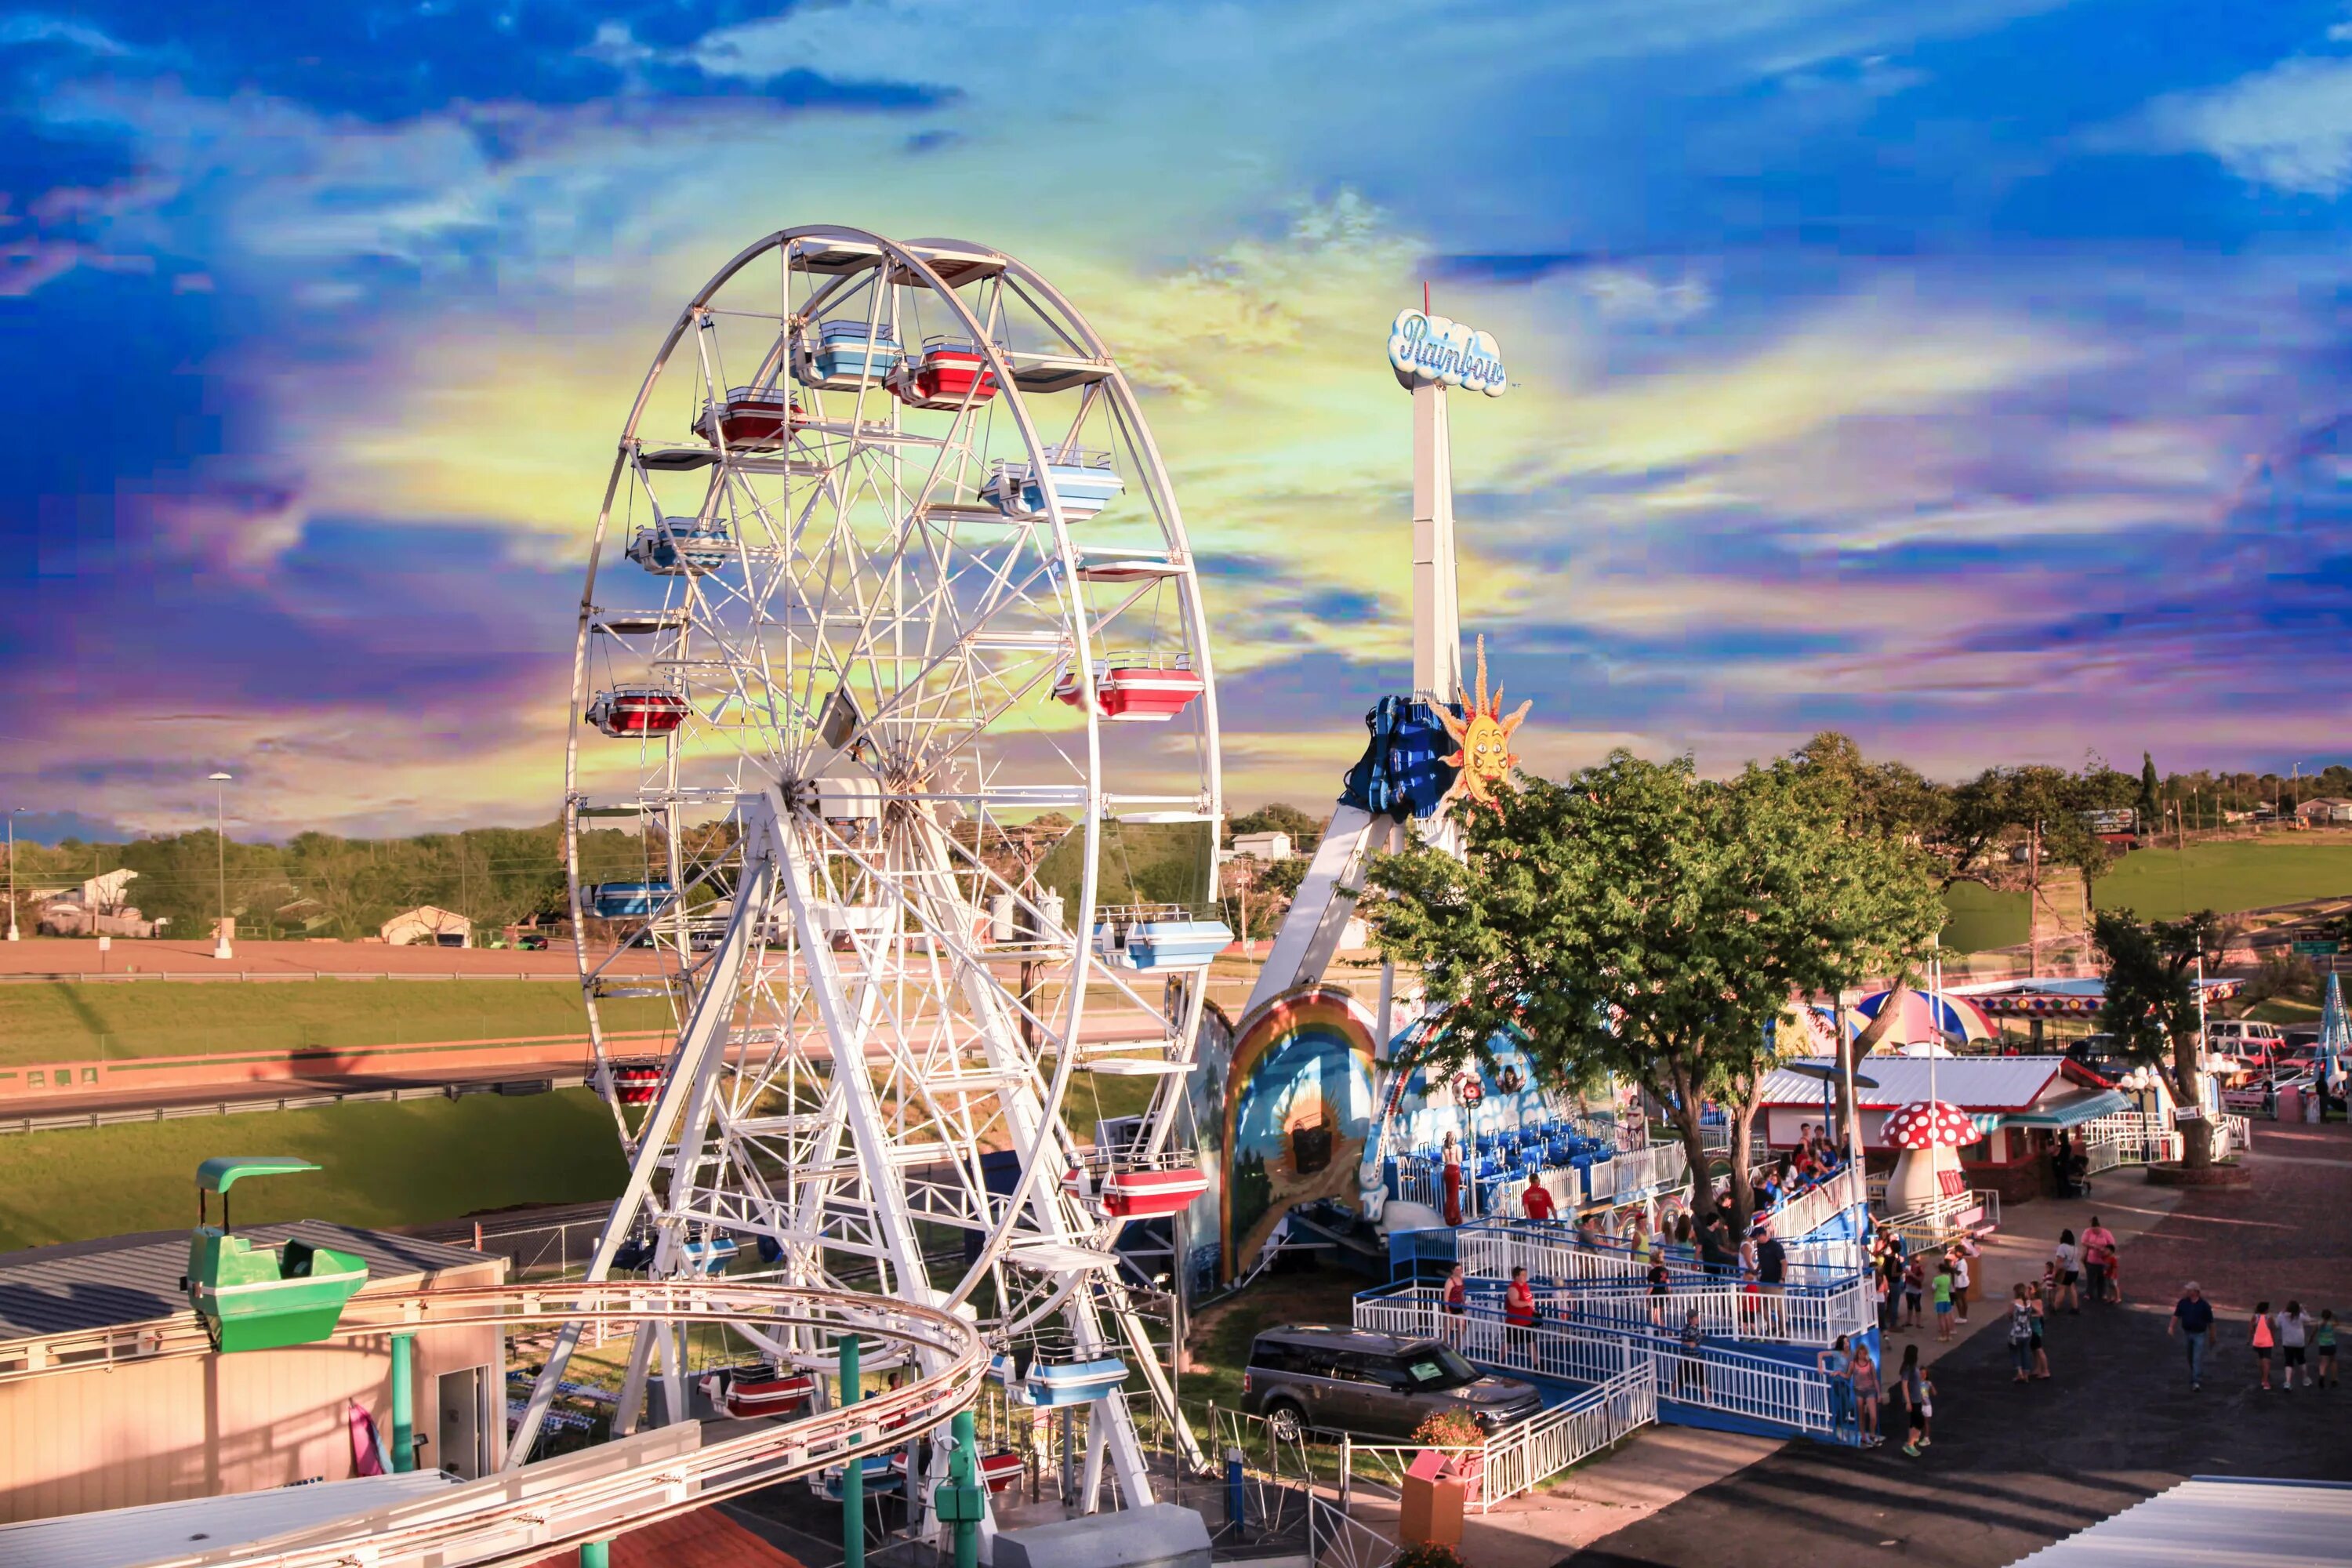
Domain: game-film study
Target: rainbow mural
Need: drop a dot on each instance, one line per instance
(1297, 1106)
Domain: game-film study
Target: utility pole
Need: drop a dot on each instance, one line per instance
(14, 812)
(220, 783)
(2033, 899)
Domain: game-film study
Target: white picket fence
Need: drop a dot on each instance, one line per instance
(1710, 1376)
(1635, 1171)
(1491, 1249)
(1523, 1456)
(1941, 1218)
(1626, 1175)
(2134, 1138)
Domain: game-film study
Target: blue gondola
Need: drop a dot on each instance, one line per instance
(624, 901)
(1170, 944)
(710, 1253)
(847, 354)
(1084, 481)
(681, 551)
(879, 1476)
(1074, 1382)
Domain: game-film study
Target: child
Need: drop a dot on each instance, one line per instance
(1942, 1286)
(2323, 1340)
(1915, 1286)
(1919, 1395)
(2262, 1340)
(2040, 1319)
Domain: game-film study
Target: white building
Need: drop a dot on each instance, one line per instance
(1263, 845)
(429, 927)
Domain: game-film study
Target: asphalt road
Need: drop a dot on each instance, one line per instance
(2012, 1468)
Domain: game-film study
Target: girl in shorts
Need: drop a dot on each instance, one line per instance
(1918, 1396)
(2323, 1341)
(2262, 1340)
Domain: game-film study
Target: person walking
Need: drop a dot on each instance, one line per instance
(2293, 1337)
(2098, 1254)
(2041, 1318)
(2323, 1341)
(1519, 1315)
(1689, 1371)
(1661, 1281)
(2069, 1259)
(1881, 1300)
(1534, 1202)
(2260, 1336)
(1918, 1395)
(2021, 1335)
(1771, 1272)
(1915, 1288)
(1457, 1305)
(1964, 1256)
(1866, 1394)
(1942, 1286)
(2192, 1319)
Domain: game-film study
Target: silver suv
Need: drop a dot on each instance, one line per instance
(1308, 1377)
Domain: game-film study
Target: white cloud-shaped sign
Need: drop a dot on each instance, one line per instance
(1425, 347)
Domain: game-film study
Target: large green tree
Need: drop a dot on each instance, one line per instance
(1642, 921)
(2151, 1002)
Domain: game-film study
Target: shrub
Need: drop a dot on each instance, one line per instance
(1448, 1429)
(1429, 1554)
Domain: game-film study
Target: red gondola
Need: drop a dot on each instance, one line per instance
(998, 1470)
(1129, 693)
(951, 373)
(745, 1392)
(1148, 1195)
(636, 1083)
(628, 711)
(749, 420)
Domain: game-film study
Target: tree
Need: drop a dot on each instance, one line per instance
(1641, 920)
(2150, 813)
(2151, 1002)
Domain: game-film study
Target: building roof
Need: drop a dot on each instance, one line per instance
(121, 1537)
(704, 1538)
(2216, 1521)
(1972, 1083)
(120, 1279)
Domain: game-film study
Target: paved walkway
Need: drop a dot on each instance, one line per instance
(2013, 1468)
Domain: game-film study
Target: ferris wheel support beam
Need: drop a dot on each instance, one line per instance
(703, 1038)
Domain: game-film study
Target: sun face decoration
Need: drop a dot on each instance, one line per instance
(1483, 739)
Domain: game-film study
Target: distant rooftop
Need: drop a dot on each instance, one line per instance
(119, 1280)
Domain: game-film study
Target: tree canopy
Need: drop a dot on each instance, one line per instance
(2150, 1006)
(1641, 920)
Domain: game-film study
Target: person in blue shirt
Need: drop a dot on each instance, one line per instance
(2192, 1319)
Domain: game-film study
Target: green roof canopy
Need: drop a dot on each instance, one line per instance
(225, 1171)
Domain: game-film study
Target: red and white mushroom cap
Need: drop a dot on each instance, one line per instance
(1929, 1124)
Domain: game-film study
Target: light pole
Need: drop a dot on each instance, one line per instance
(14, 812)
(220, 842)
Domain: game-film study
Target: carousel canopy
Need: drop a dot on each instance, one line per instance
(1924, 1018)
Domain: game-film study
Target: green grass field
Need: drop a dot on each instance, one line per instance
(61, 1021)
(2165, 884)
(408, 1164)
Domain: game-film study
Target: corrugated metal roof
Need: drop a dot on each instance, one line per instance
(1972, 1083)
(120, 1279)
(2217, 1521)
(121, 1537)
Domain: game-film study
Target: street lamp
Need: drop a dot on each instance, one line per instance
(220, 842)
(14, 812)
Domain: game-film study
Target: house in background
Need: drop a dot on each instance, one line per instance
(429, 927)
(99, 907)
(2326, 811)
(1274, 846)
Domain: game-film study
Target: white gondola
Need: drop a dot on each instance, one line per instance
(1074, 1381)
(1084, 482)
(681, 551)
(845, 355)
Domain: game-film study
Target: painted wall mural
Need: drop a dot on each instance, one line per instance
(1297, 1105)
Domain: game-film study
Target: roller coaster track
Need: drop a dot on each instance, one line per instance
(524, 1514)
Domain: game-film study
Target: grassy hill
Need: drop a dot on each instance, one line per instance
(408, 1164)
(60, 1020)
(2249, 874)
(2165, 884)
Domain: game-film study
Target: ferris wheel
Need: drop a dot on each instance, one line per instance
(889, 583)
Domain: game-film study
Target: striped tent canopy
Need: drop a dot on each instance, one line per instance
(1926, 1019)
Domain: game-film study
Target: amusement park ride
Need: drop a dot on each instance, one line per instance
(877, 607)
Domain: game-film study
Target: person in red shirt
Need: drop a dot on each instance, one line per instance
(1535, 1202)
(1519, 1314)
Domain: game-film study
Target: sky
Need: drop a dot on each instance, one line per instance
(1964, 375)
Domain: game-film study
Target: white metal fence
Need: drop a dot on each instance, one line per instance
(1726, 1309)
(1941, 1218)
(1707, 1375)
(1491, 1249)
(1815, 1206)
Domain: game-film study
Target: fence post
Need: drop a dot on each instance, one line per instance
(1236, 1494)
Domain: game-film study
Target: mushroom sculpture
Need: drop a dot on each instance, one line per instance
(1925, 1134)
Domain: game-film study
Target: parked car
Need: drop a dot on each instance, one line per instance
(1310, 1377)
(2101, 1055)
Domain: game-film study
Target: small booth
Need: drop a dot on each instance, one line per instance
(2018, 1105)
